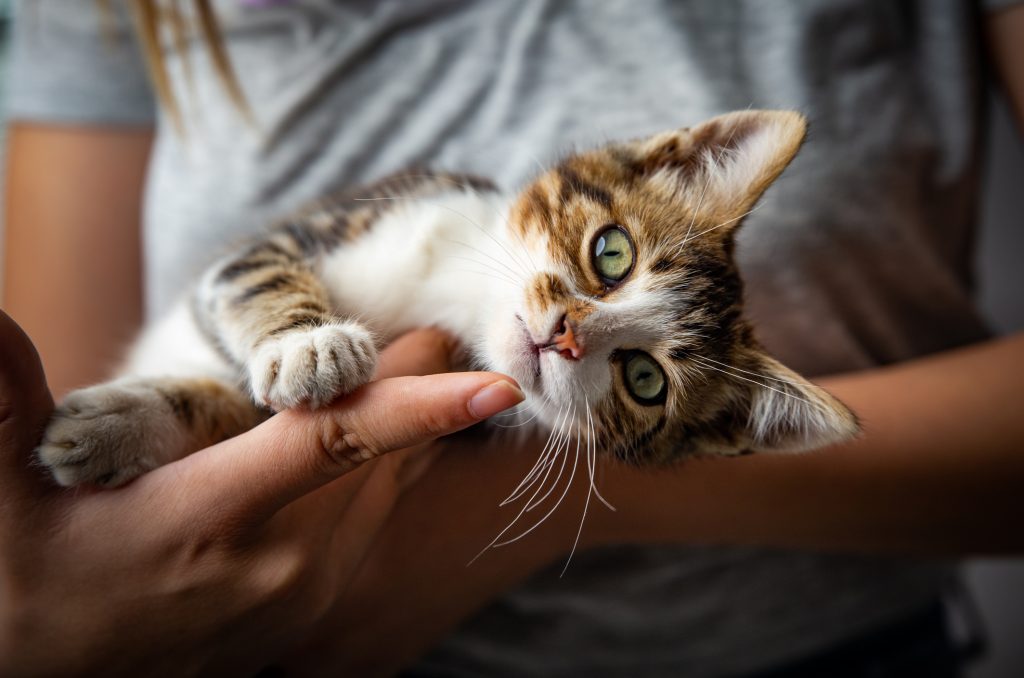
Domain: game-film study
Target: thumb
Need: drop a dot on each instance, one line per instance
(295, 452)
(25, 402)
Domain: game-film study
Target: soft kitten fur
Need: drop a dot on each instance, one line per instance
(295, 319)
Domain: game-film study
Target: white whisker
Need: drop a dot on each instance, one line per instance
(451, 209)
(593, 431)
(563, 452)
(754, 381)
(590, 490)
(516, 274)
(522, 423)
(545, 461)
(711, 175)
(510, 229)
(546, 452)
(700, 200)
(513, 412)
(724, 223)
(525, 407)
(489, 268)
(514, 520)
(554, 508)
(494, 208)
(756, 374)
(539, 164)
(483, 273)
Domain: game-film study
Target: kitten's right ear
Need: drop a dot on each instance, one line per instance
(721, 167)
(790, 414)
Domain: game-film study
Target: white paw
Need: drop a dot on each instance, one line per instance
(108, 434)
(311, 367)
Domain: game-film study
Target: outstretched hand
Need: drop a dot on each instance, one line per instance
(223, 559)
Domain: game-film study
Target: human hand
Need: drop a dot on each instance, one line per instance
(223, 559)
(418, 570)
(917, 482)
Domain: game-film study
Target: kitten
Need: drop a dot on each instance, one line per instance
(606, 288)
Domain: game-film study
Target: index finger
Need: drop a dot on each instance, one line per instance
(252, 476)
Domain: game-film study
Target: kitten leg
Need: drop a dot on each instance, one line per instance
(113, 432)
(269, 312)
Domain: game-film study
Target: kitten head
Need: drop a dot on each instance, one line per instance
(632, 315)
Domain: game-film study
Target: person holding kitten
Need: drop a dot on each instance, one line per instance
(855, 265)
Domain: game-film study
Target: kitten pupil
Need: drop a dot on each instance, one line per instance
(607, 287)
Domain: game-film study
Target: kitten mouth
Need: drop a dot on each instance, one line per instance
(530, 350)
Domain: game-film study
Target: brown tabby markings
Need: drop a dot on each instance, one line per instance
(208, 410)
(272, 289)
(607, 187)
(266, 309)
(548, 290)
(574, 185)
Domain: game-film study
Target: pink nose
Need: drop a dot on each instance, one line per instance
(563, 340)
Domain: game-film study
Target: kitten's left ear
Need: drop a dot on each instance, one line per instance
(790, 414)
(722, 166)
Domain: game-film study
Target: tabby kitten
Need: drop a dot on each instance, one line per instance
(606, 287)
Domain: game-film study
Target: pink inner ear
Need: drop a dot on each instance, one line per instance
(721, 167)
(789, 413)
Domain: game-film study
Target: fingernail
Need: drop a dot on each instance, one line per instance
(492, 399)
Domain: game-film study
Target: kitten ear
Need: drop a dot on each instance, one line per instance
(722, 166)
(790, 414)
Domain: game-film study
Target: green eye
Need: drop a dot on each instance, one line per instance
(613, 254)
(645, 380)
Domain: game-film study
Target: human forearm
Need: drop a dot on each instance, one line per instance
(418, 570)
(72, 262)
(215, 563)
(939, 470)
(1005, 33)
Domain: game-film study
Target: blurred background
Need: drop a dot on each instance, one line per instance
(997, 585)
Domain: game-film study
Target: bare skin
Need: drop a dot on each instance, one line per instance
(239, 546)
(920, 481)
(72, 264)
(938, 472)
(899, 490)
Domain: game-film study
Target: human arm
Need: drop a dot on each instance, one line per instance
(885, 494)
(72, 256)
(938, 472)
(223, 559)
(1005, 33)
(80, 118)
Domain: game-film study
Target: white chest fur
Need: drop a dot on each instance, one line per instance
(435, 262)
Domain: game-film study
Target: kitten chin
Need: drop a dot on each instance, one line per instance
(637, 303)
(607, 287)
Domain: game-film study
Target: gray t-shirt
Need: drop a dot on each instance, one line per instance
(860, 256)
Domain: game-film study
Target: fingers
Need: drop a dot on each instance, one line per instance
(25, 403)
(253, 475)
(426, 351)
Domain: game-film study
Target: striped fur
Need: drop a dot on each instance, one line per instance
(295, 318)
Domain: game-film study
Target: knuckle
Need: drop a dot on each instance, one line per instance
(205, 537)
(340, 448)
(283, 574)
(206, 543)
(203, 545)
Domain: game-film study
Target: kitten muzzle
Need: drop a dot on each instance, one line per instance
(564, 340)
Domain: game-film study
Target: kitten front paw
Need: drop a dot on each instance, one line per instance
(106, 435)
(311, 367)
